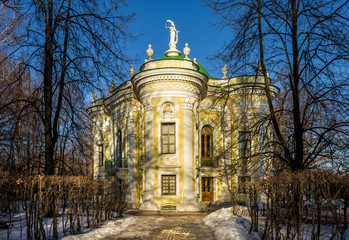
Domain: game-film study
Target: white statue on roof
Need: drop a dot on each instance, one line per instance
(173, 33)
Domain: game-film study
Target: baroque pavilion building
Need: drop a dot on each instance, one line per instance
(175, 137)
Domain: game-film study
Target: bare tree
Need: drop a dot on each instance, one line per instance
(304, 46)
(9, 19)
(71, 46)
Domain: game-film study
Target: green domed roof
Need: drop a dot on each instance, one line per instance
(201, 68)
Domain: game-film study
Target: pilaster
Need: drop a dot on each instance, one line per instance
(189, 193)
(131, 157)
(148, 193)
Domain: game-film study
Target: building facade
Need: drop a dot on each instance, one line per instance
(179, 137)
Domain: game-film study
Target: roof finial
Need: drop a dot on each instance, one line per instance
(150, 52)
(186, 51)
(225, 71)
(94, 95)
(112, 86)
(131, 71)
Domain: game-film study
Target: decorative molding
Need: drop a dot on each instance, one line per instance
(188, 103)
(123, 96)
(124, 110)
(170, 74)
(209, 169)
(226, 124)
(169, 85)
(148, 104)
(167, 108)
(196, 110)
(244, 117)
(207, 104)
(210, 122)
(253, 91)
(168, 166)
(163, 64)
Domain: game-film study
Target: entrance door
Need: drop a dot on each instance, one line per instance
(207, 189)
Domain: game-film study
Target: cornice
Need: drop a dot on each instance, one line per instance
(118, 98)
(192, 77)
(96, 111)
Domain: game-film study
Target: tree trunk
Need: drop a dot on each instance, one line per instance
(48, 94)
(297, 163)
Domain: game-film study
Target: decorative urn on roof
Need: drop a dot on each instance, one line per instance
(112, 86)
(150, 52)
(186, 51)
(225, 71)
(131, 71)
(94, 95)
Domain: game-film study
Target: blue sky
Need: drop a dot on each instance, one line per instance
(192, 18)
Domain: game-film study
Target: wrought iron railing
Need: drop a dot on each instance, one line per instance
(209, 162)
(110, 165)
(122, 163)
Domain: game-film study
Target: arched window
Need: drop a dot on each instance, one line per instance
(207, 146)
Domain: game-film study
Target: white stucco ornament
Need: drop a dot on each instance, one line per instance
(173, 33)
(167, 108)
(172, 51)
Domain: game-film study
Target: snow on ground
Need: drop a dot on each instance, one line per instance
(226, 222)
(229, 226)
(18, 228)
(111, 227)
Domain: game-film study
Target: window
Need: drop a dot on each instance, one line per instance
(244, 149)
(120, 160)
(119, 156)
(206, 146)
(206, 142)
(100, 155)
(168, 138)
(168, 184)
(242, 184)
